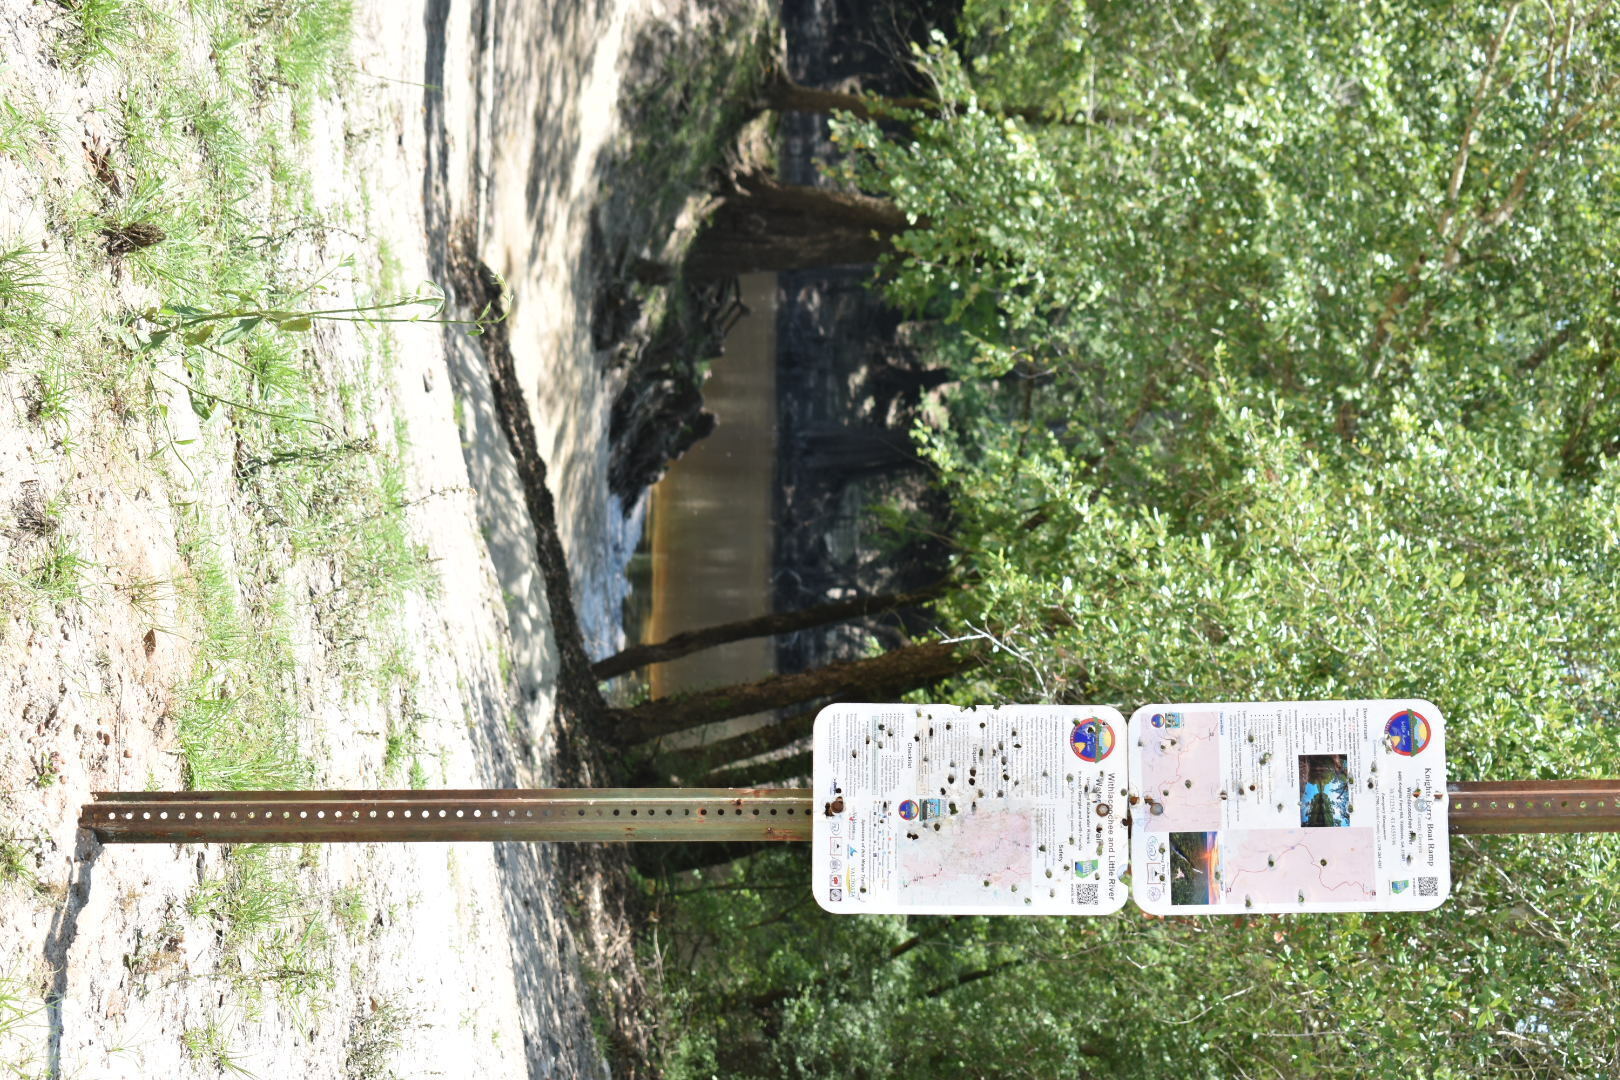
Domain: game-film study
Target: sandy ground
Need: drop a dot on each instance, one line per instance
(487, 120)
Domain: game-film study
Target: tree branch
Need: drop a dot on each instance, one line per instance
(969, 977)
(692, 641)
(905, 668)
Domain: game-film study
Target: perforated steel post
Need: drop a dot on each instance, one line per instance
(613, 814)
(1535, 806)
(658, 814)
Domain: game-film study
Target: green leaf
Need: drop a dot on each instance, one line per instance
(240, 329)
(297, 324)
(198, 334)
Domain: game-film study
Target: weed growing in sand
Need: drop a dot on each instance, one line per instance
(47, 769)
(57, 576)
(210, 1046)
(203, 328)
(237, 726)
(98, 30)
(374, 1039)
(349, 905)
(24, 300)
(16, 864)
(23, 1030)
(45, 567)
(404, 750)
(24, 125)
(275, 936)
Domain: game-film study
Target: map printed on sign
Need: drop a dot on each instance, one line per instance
(978, 811)
(1289, 806)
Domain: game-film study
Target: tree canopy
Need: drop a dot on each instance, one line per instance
(1285, 347)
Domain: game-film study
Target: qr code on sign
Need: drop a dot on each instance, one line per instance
(1428, 886)
(1085, 894)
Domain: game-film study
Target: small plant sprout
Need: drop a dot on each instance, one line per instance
(197, 327)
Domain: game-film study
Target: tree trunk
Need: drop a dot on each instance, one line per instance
(772, 998)
(860, 451)
(576, 690)
(762, 740)
(765, 225)
(761, 626)
(785, 95)
(667, 860)
(792, 767)
(874, 679)
(969, 977)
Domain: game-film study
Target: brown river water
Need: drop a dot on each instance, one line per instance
(709, 524)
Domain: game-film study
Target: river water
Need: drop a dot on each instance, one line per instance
(709, 533)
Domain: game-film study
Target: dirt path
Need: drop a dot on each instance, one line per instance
(490, 121)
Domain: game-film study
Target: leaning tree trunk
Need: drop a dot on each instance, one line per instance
(907, 667)
(750, 744)
(782, 94)
(775, 771)
(857, 451)
(667, 860)
(765, 225)
(577, 692)
(760, 626)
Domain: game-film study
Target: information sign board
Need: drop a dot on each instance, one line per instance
(990, 811)
(1289, 806)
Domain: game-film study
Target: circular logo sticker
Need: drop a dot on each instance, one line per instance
(908, 810)
(1092, 740)
(1407, 732)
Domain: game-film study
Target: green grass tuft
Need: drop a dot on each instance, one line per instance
(210, 1046)
(25, 293)
(373, 1042)
(237, 724)
(275, 934)
(25, 127)
(23, 1030)
(98, 30)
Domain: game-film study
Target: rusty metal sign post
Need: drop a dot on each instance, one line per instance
(658, 814)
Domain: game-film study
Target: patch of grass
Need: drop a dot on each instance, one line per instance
(310, 39)
(344, 505)
(16, 865)
(237, 720)
(418, 777)
(349, 905)
(98, 29)
(25, 289)
(23, 1030)
(374, 1040)
(401, 743)
(275, 935)
(48, 397)
(24, 126)
(252, 893)
(210, 1046)
(56, 576)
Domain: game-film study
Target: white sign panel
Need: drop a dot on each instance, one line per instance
(1017, 810)
(1289, 806)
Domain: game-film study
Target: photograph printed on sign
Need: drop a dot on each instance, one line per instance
(1015, 810)
(1288, 806)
